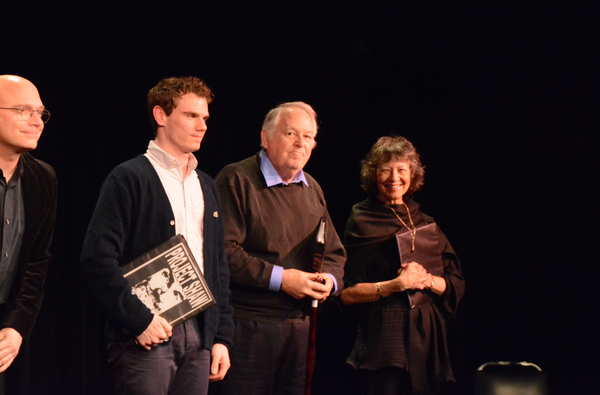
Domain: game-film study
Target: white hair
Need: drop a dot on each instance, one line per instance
(272, 117)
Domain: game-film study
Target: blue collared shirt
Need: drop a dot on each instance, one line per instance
(272, 178)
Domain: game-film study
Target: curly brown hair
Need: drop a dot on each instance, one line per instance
(168, 91)
(384, 150)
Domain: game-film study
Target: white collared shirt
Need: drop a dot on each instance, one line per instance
(185, 196)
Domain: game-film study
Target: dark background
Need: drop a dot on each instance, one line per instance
(501, 101)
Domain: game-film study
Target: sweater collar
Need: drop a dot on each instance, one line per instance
(272, 177)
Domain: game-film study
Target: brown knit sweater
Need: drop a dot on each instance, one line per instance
(272, 226)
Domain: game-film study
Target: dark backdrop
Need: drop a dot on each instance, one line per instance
(500, 100)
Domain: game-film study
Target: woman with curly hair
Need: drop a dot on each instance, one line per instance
(405, 276)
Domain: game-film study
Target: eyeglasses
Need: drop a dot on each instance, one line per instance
(25, 113)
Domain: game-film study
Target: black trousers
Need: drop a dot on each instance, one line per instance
(386, 381)
(266, 359)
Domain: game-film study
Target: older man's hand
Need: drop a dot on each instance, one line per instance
(299, 284)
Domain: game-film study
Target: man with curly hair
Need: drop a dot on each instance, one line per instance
(143, 203)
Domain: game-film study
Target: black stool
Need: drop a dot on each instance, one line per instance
(510, 378)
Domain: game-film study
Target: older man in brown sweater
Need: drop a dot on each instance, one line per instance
(272, 211)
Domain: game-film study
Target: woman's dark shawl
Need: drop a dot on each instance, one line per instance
(373, 256)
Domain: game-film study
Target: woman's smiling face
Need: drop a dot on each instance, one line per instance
(393, 180)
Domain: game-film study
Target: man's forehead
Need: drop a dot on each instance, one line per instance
(190, 99)
(295, 117)
(18, 91)
(11, 78)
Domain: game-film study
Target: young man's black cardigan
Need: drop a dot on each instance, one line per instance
(132, 216)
